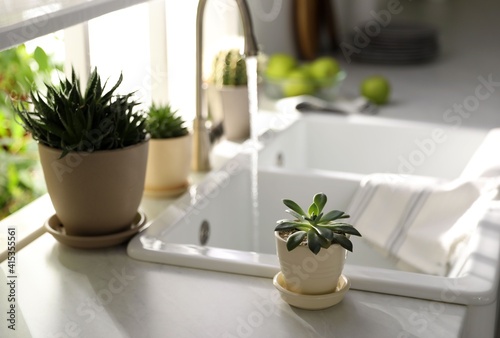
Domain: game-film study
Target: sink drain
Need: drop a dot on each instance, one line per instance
(280, 160)
(204, 232)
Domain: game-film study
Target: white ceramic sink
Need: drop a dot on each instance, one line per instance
(236, 243)
(363, 144)
(331, 154)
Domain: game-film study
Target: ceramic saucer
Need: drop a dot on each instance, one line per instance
(312, 302)
(56, 229)
(164, 193)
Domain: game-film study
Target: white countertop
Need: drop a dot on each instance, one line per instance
(104, 293)
(63, 292)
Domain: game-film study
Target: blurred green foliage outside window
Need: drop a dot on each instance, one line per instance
(21, 180)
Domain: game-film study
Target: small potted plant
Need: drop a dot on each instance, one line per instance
(228, 94)
(312, 247)
(169, 159)
(93, 149)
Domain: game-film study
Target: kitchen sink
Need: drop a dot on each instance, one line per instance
(226, 222)
(366, 144)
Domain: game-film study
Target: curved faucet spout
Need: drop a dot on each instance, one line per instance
(201, 141)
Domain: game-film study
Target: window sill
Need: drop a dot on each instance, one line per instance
(28, 19)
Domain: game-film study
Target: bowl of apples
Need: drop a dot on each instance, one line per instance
(284, 76)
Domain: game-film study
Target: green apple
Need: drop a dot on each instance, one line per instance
(279, 65)
(376, 88)
(298, 82)
(305, 68)
(324, 68)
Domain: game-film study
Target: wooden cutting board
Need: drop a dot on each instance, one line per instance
(312, 18)
(306, 26)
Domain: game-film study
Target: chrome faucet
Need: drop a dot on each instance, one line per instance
(201, 140)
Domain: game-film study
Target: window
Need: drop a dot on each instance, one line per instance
(152, 44)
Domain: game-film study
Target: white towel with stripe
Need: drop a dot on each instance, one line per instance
(419, 220)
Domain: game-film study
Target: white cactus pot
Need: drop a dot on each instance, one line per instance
(229, 105)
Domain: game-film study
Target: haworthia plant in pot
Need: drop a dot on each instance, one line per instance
(315, 236)
(69, 119)
(169, 159)
(93, 148)
(164, 122)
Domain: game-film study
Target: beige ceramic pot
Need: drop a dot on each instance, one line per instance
(307, 273)
(95, 193)
(169, 165)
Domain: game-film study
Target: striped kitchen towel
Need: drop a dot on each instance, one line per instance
(419, 220)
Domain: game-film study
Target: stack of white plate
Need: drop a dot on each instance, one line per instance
(397, 43)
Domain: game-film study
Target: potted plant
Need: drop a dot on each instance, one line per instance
(93, 149)
(228, 94)
(169, 159)
(312, 247)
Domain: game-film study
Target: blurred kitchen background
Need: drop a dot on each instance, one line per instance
(435, 53)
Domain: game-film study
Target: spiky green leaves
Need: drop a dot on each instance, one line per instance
(162, 122)
(315, 228)
(65, 118)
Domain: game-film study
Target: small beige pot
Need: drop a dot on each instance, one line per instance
(169, 165)
(95, 193)
(230, 104)
(307, 273)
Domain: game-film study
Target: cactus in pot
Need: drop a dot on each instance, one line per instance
(229, 69)
(228, 94)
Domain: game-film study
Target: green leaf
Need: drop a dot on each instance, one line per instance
(314, 242)
(333, 215)
(285, 225)
(344, 228)
(343, 241)
(294, 206)
(295, 239)
(41, 58)
(318, 219)
(106, 97)
(313, 210)
(325, 233)
(320, 201)
(295, 214)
